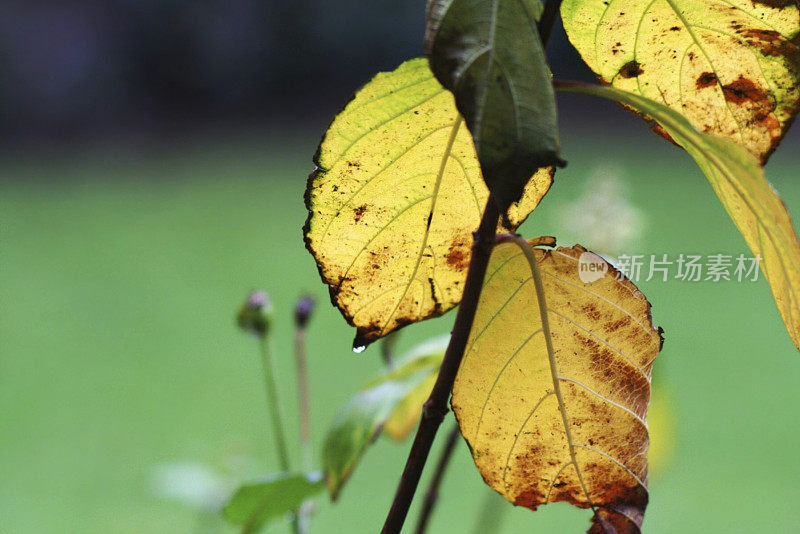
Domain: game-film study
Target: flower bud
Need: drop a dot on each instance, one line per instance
(303, 311)
(255, 316)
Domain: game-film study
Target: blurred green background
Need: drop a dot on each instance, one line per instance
(153, 158)
(120, 280)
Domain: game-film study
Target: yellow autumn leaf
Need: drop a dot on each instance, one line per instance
(740, 184)
(394, 201)
(572, 427)
(731, 67)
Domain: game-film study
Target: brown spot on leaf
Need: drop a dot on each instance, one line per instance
(458, 255)
(772, 43)
(760, 104)
(359, 212)
(591, 311)
(529, 499)
(455, 258)
(631, 69)
(707, 79)
(616, 325)
(773, 3)
(743, 90)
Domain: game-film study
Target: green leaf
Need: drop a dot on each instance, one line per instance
(257, 502)
(394, 201)
(388, 397)
(731, 67)
(739, 182)
(489, 55)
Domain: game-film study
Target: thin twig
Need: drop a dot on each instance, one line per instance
(432, 495)
(435, 407)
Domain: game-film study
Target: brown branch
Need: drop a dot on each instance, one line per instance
(432, 495)
(435, 408)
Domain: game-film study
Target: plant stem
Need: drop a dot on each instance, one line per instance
(268, 368)
(432, 495)
(435, 407)
(303, 403)
(303, 514)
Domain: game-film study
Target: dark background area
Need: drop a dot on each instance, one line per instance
(73, 72)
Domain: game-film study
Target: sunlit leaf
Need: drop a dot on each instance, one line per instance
(393, 204)
(256, 503)
(750, 200)
(732, 67)
(572, 428)
(489, 54)
(392, 402)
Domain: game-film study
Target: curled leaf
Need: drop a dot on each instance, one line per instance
(739, 182)
(731, 67)
(490, 55)
(553, 403)
(394, 201)
(392, 402)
